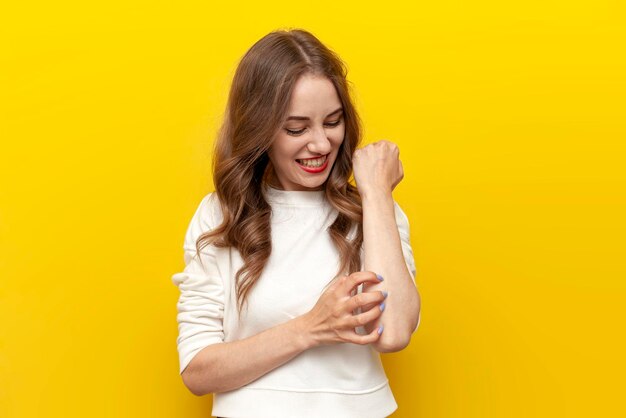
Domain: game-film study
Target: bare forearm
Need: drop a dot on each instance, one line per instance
(383, 255)
(227, 366)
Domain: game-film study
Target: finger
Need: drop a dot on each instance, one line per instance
(366, 339)
(356, 278)
(365, 299)
(365, 317)
(372, 305)
(382, 296)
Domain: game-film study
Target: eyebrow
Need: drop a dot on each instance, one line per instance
(307, 118)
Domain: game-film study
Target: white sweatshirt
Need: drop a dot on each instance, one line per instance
(342, 380)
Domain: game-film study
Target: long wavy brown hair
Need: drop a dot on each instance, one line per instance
(256, 110)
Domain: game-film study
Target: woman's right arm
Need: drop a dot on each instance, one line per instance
(209, 365)
(227, 366)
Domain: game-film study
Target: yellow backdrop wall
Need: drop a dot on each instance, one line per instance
(510, 118)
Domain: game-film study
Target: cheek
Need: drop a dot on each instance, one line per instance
(338, 138)
(281, 151)
(341, 133)
(271, 154)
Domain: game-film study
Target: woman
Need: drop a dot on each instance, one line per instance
(289, 266)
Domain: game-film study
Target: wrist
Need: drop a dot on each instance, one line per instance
(375, 193)
(303, 333)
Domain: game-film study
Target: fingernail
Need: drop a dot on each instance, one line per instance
(382, 306)
(380, 330)
(385, 293)
(379, 277)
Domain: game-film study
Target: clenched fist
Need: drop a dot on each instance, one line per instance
(377, 167)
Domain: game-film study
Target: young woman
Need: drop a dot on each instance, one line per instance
(295, 279)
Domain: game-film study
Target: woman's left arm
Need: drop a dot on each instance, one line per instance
(378, 170)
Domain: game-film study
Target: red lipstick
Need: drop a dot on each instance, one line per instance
(314, 169)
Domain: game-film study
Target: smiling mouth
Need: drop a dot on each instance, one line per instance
(313, 162)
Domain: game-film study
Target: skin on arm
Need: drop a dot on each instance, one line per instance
(377, 170)
(226, 366)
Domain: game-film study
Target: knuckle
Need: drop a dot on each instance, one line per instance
(358, 299)
(354, 280)
(365, 300)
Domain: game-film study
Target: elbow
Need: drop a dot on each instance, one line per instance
(193, 383)
(189, 382)
(196, 376)
(396, 340)
(195, 392)
(201, 375)
(390, 347)
(392, 344)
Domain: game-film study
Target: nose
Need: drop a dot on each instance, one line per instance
(319, 143)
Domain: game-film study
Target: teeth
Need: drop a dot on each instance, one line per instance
(317, 162)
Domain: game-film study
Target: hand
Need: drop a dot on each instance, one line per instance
(332, 321)
(377, 167)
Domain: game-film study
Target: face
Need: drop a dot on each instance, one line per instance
(305, 149)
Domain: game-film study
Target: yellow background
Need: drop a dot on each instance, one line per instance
(510, 118)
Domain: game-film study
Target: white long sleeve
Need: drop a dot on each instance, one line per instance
(403, 229)
(335, 381)
(201, 302)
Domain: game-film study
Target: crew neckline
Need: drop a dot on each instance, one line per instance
(294, 197)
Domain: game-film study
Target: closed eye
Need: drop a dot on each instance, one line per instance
(301, 131)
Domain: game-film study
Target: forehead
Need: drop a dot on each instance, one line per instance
(313, 95)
